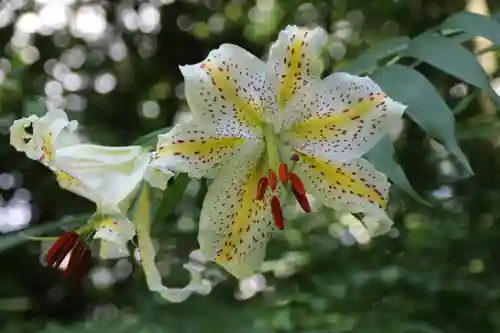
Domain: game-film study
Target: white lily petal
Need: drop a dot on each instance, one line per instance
(234, 226)
(48, 133)
(111, 251)
(340, 118)
(118, 189)
(108, 176)
(188, 148)
(90, 155)
(157, 175)
(224, 91)
(354, 186)
(115, 232)
(142, 221)
(88, 189)
(294, 62)
(21, 133)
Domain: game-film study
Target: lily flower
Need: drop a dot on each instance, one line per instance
(111, 179)
(108, 176)
(39, 137)
(265, 129)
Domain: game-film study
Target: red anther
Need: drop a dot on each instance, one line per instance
(68, 243)
(261, 188)
(297, 184)
(294, 157)
(273, 180)
(277, 213)
(283, 172)
(61, 247)
(78, 262)
(302, 200)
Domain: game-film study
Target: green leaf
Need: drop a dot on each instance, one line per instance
(17, 238)
(382, 157)
(473, 25)
(171, 197)
(368, 61)
(149, 140)
(452, 58)
(425, 105)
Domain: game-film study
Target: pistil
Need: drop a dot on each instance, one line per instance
(285, 175)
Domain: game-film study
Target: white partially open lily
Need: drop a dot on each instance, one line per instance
(110, 177)
(39, 137)
(254, 120)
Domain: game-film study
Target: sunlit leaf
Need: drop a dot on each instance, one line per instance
(368, 61)
(382, 157)
(473, 25)
(425, 105)
(452, 58)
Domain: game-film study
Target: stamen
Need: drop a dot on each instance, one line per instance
(69, 243)
(61, 247)
(273, 180)
(262, 187)
(78, 261)
(302, 200)
(283, 172)
(294, 157)
(277, 213)
(297, 184)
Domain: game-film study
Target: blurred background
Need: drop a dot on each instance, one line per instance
(113, 66)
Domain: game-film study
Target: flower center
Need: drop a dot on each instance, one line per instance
(277, 167)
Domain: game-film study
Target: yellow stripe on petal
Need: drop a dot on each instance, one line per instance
(243, 218)
(189, 149)
(356, 184)
(340, 118)
(247, 110)
(292, 76)
(203, 148)
(295, 61)
(234, 226)
(224, 91)
(335, 123)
